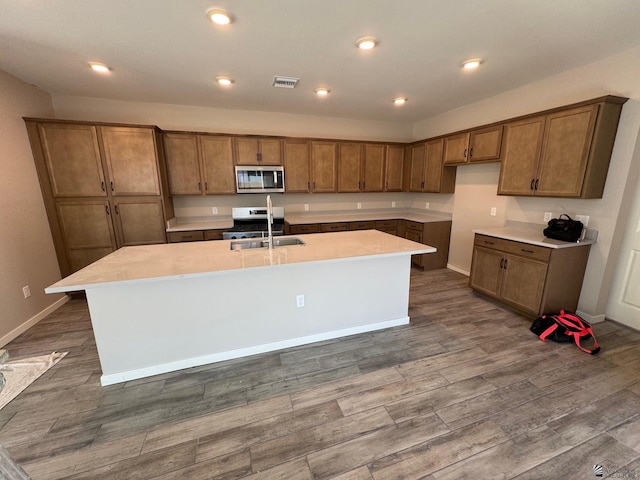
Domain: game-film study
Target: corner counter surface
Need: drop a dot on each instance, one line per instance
(531, 233)
(198, 259)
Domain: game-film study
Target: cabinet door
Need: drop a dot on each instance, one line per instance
(373, 168)
(486, 271)
(565, 151)
(394, 167)
(523, 283)
(456, 149)
(485, 144)
(323, 167)
(139, 221)
(349, 167)
(183, 166)
(130, 155)
(415, 236)
(73, 160)
(87, 231)
(521, 149)
(296, 166)
(270, 151)
(433, 174)
(417, 168)
(246, 150)
(217, 165)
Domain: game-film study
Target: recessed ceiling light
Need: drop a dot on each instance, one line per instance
(322, 91)
(99, 67)
(400, 100)
(366, 43)
(472, 64)
(219, 17)
(224, 81)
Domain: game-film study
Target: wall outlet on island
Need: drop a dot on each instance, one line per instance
(299, 301)
(214, 210)
(426, 205)
(547, 216)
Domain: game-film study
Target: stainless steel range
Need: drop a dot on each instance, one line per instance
(251, 222)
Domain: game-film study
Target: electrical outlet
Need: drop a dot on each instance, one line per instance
(494, 211)
(426, 205)
(359, 205)
(215, 210)
(582, 218)
(393, 204)
(26, 291)
(547, 216)
(299, 301)
(306, 207)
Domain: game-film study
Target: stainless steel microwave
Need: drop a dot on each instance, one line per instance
(259, 179)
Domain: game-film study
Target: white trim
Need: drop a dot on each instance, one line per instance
(33, 320)
(591, 318)
(458, 269)
(245, 352)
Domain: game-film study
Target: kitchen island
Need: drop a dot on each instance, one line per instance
(161, 308)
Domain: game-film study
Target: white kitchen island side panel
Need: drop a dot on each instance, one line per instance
(148, 328)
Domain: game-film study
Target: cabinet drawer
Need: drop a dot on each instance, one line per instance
(417, 226)
(390, 231)
(362, 225)
(192, 236)
(213, 234)
(334, 227)
(310, 228)
(382, 224)
(517, 248)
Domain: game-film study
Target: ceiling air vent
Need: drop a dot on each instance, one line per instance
(285, 82)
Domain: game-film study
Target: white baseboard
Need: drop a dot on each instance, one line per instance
(458, 269)
(32, 321)
(591, 318)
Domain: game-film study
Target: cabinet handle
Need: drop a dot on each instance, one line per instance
(107, 209)
(471, 152)
(533, 180)
(112, 189)
(102, 186)
(421, 184)
(117, 210)
(527, 251)
(506, 263)
(206, 186)
(536, 186)
(187, 237)
(259, 155)
(199, 186)
(363, 183)
(465, 153)
(314, 185)
(489, 243)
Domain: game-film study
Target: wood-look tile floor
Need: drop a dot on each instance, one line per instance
(464, 391)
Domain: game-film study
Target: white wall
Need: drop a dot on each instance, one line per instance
(27, 256)
(616, 75)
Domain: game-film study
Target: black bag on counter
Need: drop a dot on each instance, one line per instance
(565, 229)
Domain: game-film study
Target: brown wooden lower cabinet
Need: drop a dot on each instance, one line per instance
(194, 236)
(300, 229)
(529, 278)
(362, 225)
(435, 234)
(334, 227)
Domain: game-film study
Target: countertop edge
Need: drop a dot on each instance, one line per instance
(531, 234)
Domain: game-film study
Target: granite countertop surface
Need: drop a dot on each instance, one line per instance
(532, 233)
(183, 260)
(185, 224)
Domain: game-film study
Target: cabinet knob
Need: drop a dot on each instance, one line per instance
(111, 184)
(465, 153)
(102, 186)
(117, 210)
(532, 182)
(536, 185)
(107, 209)
(199, 186)
(206, 186)
(471, 152)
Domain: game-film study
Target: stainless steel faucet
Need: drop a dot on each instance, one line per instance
(270, 221)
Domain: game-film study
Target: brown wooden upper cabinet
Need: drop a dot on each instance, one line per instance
(324, 167)
(394, 168)
(427, 171)
(480, 145)
(564, 153)
(296, 160)
(258, 151)
(373, 171)
(349, 167)
(199, 164)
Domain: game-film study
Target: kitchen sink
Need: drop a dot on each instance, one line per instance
(264, 243)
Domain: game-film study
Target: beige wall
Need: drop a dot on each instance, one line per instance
(27, 256)
(616, 75)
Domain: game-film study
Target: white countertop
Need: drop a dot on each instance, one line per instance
(529, 233)
(185, 224)
(156, 262)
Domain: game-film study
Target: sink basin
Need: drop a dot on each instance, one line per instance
(263, 243)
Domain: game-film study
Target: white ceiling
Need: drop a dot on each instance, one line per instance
(167, 51)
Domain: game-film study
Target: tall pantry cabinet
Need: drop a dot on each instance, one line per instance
(104, 187)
